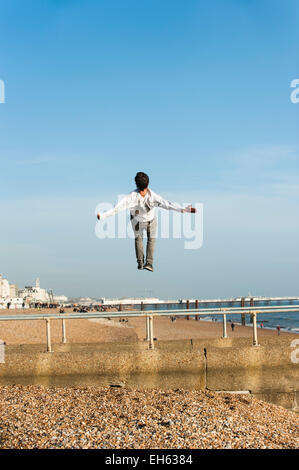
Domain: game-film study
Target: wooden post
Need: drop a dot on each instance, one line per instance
(151, 332)
(224, 326)
(243, 316)
(147, 327)
(63, 331)
(251, 305)
(196, 306)
(255, 340)
(48, 332)
(187, 307)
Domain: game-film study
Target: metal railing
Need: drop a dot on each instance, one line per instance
(149, 318)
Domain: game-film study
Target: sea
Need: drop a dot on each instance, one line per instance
(288, 321)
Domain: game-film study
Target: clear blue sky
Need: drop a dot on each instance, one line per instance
(195, 93)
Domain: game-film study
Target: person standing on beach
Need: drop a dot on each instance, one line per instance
(233, 326)
(278, 330)
(142, 203)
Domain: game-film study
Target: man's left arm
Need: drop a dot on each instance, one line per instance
(159, 201)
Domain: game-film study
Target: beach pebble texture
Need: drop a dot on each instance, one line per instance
(118, 417)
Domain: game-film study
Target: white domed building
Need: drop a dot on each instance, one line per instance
(35, 293)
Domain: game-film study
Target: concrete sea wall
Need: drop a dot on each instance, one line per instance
(267, 371)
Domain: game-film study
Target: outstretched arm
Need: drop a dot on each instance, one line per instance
(171, 206)
(190, 209)
(122, 205)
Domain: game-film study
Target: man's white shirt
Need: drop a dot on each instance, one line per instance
(142, 208)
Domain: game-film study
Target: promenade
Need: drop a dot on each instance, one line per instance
(103, 330)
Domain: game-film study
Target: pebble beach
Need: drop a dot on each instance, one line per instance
(113, 418)
(118, 417)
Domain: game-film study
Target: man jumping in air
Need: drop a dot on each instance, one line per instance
(142, 203)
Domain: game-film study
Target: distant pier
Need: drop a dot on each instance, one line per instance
(238, 301)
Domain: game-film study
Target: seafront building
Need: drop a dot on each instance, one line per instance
(35, 294)
(9, 294)
(13, 297)
(4, 287)
(13, 290)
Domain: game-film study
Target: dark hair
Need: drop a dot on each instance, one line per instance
(141, 180)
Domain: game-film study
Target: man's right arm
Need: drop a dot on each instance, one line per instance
(122, 205)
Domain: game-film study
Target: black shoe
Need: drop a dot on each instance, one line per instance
(149, 267)
(140, 265)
